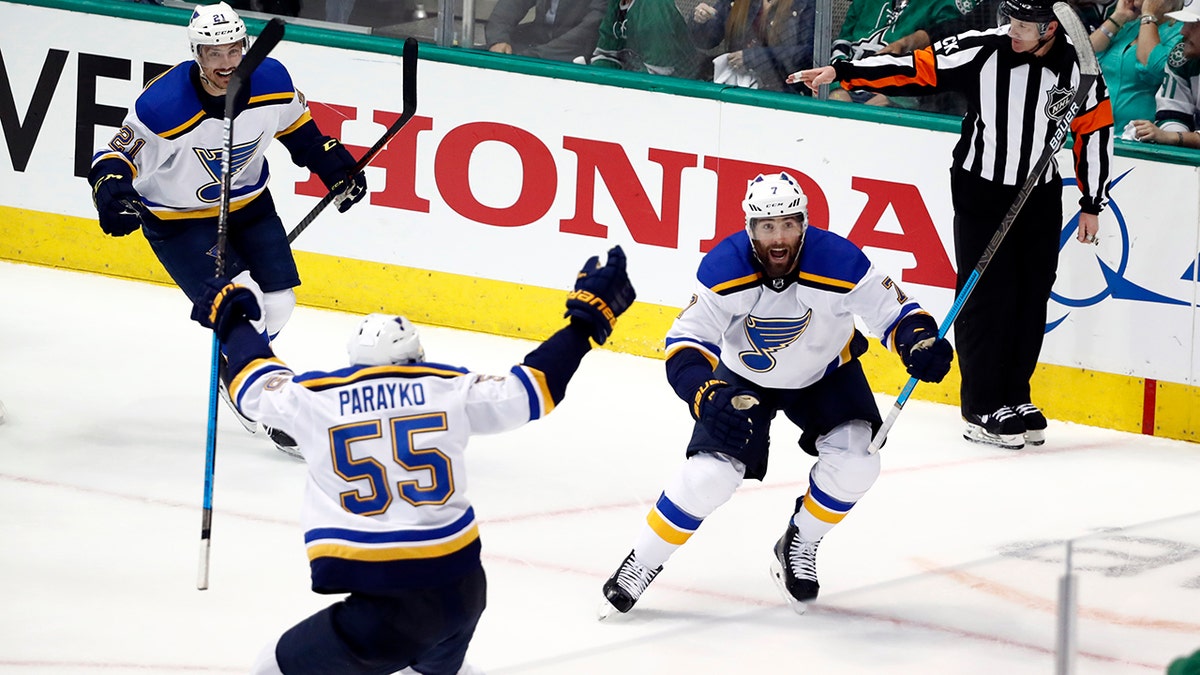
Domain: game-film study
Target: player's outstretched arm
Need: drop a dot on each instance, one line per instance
(601, 294)
(228, 309)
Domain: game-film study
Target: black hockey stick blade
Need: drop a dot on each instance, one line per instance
(410, 108)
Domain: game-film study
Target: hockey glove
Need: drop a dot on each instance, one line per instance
(224, 305)
(333, 163)
(722, 410)
(926, 356)
(929, 360)
(118, 204)
(601, 294)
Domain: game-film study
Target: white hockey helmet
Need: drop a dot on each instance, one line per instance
(384, 339)
(215, 25)
(774, 196)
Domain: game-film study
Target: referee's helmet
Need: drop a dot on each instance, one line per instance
(1033, 11)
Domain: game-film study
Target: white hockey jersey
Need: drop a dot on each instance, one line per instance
(385, 501)
(787, 333)
(1178, 100)
(174, 148)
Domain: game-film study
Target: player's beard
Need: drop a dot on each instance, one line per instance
(777, 259)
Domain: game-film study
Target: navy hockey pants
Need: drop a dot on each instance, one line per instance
(256, 242)
(841, 396)
(428, 629)
(998, 334)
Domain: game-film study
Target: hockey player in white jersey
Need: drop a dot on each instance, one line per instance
(771, 328)
(161, 172)
(386, 516)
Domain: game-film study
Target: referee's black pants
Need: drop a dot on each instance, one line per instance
(999, 331)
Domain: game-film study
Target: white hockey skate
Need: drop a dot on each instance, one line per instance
(246, 422)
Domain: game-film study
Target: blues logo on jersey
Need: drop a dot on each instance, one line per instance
(769, 335)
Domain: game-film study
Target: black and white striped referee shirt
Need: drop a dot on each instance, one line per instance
(1014, 103)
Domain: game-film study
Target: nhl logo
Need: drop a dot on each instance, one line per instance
(1057, 101)
(777, 283)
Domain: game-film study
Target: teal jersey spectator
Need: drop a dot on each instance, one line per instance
(646, 36)
(1132, 84)
(871, 24)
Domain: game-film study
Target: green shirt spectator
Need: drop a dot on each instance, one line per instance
(1133, 55)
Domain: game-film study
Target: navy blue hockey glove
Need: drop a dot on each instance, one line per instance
(118, 204)
(333, 163)
(722, 410)
(926, 356)
(929, 360)
(601, 294)
(224, 305)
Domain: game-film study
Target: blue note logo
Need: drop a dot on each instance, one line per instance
(767, 336)
(1112, 281)
(210, 159)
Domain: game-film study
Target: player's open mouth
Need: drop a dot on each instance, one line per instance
(779, 254)
(226, 73)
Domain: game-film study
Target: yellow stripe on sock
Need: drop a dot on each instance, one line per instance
(666, 530)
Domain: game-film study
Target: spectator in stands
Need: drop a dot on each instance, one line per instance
(979, 15)
(646, 36)
(1132, 44)
(1177, 102)
(561, 30)
(762, 41)
(870, 25)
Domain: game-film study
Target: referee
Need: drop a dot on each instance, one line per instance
(1018, 80)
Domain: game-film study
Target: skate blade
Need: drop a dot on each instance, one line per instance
(777, 575)
(979, 435)
(606, 610)
(291, 451)
(249, 424)
(1035, 437)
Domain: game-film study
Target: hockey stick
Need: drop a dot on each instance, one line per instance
(270, 36)
(1089, 70)
(410, 108)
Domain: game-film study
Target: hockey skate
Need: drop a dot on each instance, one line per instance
(625, 586)
(1035, 423)
(284, 442)
(795, 568)
(223, 390)
(1003, 428)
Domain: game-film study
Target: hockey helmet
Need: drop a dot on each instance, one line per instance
(215, 25)
(774, 196)
(384, 339)
(1040, 12)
